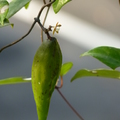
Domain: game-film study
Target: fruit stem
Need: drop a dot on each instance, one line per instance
(38, 18)
(43, 28)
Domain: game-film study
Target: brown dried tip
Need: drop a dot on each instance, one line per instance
(56, 28)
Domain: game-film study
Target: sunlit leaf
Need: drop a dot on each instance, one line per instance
(14, 80)
(97, 73)
(4, 7)
(15, 6)
(110, 56)
(66, 68)
(58, 4)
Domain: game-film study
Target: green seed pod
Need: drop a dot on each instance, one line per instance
(45, 72)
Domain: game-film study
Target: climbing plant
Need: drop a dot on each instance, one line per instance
(47, 64)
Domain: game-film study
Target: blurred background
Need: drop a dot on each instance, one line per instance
(85, 24)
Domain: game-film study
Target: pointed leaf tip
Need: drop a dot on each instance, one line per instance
(66, 68)
(110, 56)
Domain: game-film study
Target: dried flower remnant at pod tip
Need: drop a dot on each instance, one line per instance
(56, 28)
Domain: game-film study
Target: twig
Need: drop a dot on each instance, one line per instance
(44, 29)
(19, 39)
(44, 22)
(46, 5)
(36, 20)
(57, 88)
(44, 1)
(69, 104)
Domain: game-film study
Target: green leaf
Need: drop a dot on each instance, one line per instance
(110, 56)
(58, 4)
(27, 5)
(14, 80)
(4, 7)
(98, 73)
(66, 68)
(15, 6)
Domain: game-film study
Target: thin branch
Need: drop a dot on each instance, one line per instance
(70, 105)
(46, 5)
(44, 1)
(36, 20)
(44, 29)
(20, 38)
(44, 22)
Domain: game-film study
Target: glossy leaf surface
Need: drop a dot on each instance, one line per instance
(58, 4)
(14, 80)
(66, 68)
(97, 73)
(110, 56)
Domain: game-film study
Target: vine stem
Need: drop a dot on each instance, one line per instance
(69, 104)
(44, 1)
(44, 22)
(57, 88)
(19, 39)
(35, 20)
(44, 7)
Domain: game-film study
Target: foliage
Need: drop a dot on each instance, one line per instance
(65, 68)
(16, 5)
(108, 55)
(58, 4)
